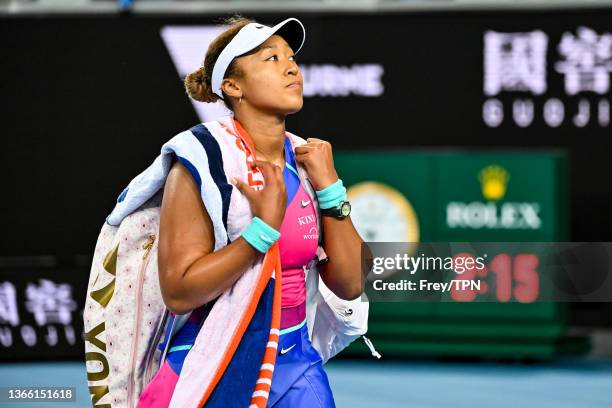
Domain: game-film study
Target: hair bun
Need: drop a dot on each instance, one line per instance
(197, 85)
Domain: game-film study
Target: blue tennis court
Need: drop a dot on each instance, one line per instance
(360, 384)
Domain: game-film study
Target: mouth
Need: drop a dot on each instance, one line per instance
(295, 84)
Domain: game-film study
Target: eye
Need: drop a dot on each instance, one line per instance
(292, 58)
(273, 56)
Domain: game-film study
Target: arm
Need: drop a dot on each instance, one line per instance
(342, 273)
(190, 273)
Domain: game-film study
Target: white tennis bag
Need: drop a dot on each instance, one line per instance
(125, 316)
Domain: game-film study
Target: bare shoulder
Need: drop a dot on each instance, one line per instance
(179, 184)
(185, 231)
(183, 212)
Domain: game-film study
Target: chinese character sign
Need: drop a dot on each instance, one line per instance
(50, 302)
(40, 317)
(8, 304)
(586, 61)
(515, 64)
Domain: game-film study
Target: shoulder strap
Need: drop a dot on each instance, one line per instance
(310, 190)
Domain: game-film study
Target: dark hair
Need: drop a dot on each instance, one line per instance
(198, 83)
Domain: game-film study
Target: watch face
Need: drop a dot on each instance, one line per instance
(345, 210)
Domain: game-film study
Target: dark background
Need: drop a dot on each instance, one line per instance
(89, 100)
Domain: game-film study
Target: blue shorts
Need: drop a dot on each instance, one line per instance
(299, 379)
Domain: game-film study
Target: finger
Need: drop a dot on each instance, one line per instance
(261, 163)
(278, 176)
(315, 145)
(278, 172)
(314, 139)
(302, 158)
(305, 149)
(267, 169)
(241, 186)
(319, 143)
(305, 152)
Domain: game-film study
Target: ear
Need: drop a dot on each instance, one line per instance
(231, 87)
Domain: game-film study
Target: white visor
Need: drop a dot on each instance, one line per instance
(251, 36)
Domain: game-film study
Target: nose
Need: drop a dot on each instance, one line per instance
(292, 69)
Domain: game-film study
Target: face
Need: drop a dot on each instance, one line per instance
(272, 81)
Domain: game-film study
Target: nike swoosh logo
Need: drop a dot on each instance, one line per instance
(305, 203)
(259, 26)
(285, 351)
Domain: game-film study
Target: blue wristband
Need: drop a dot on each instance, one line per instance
(332, 195)
(260, 235)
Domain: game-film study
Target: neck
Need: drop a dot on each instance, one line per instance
(267, 133)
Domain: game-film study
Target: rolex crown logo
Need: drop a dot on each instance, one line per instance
(493, 180)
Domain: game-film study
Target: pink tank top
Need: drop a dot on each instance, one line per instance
(297, 244)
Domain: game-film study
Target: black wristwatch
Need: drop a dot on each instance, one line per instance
(341, 211)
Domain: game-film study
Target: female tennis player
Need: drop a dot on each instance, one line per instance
(252, 68)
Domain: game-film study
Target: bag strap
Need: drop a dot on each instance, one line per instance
(308, 187)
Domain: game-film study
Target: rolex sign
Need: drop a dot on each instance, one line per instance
(504, 195)
(490, 212)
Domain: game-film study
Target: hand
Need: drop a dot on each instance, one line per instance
(317, 158)
(269, 203)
